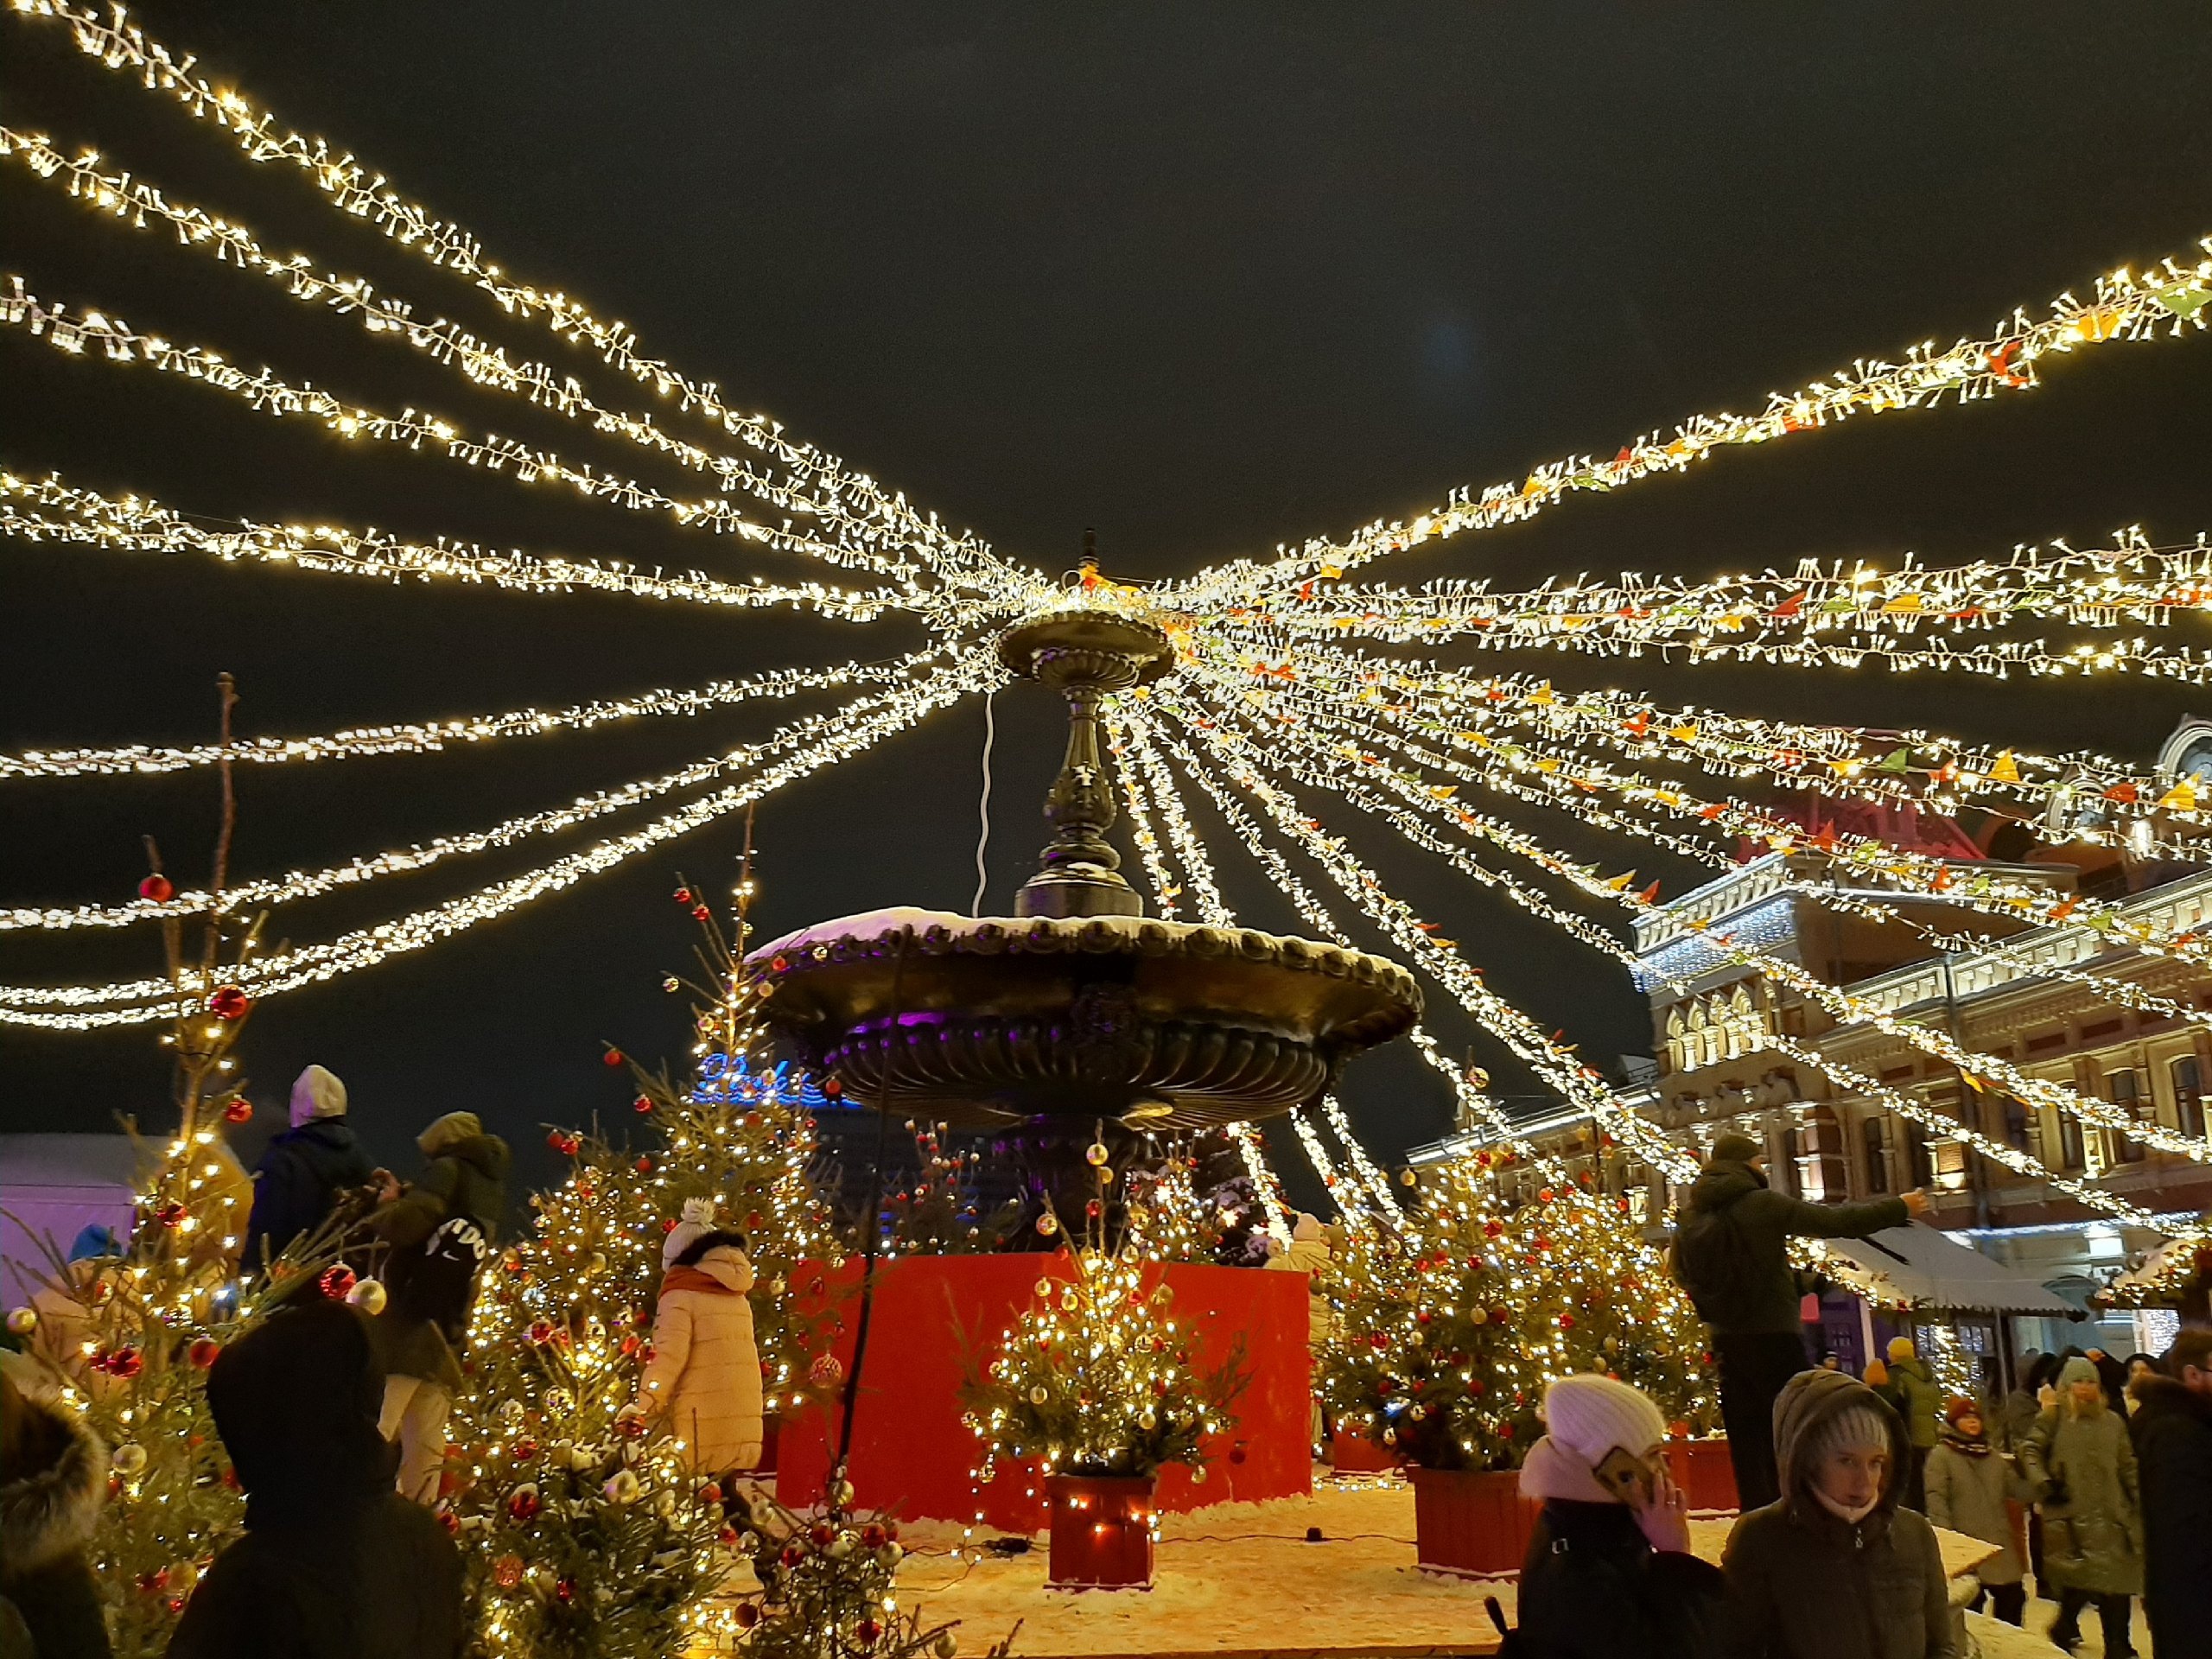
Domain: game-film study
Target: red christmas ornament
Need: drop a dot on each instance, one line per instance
(170, 1214)
(337, 1280)
(1236, 1454)
(541, 1332)
(780, 964)
(710, 1493)
(238, 1109)
(644, 1165)
(792, 1554)
(525, 1449)
(228, 1003)
(874, 1537)
(700, 913)
(683, 895)
(157, 888)
(524, 1503)
(727, 1539)
(565, 1591)
(747, 1614)
(869, 1631)
(125, 1362)
(642, 1105)
(202, 1352)
(823, 1534)
(832, 1087)
(506, 1572)
(1567, 1321)
(612, 1056)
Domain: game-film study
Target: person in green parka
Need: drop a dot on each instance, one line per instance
(1912, 1391)
(2081, 1463)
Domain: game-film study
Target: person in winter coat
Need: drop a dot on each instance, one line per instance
(333, 1564)
(52, 1478)
(2172, 1427)
(1913, 1392)
(1834, 1569)
(58, 1356)
(1308, 1253)
(2019, 1410)
(297, 1183)
(1609, 1574)
(438, 1232)
(1968, 1482)
(1729, 1254)
(704, 1375)
(2082, 1465)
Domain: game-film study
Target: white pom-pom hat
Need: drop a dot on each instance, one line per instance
(698, 1217)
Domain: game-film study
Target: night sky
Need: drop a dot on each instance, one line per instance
(1204, 277)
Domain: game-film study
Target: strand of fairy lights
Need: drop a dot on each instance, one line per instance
(299, 885)
(1161, 786)
(1246, 834)
(368, 197)
(1166, 891)
(266, 393)
(87, 1007)
(1904, 1105)
(1874, 766)
(138, 524)
(1573, 1079)
(1555, 778)
(119, 196)
(1844, 1008)
(436, 737)
(1351, 1200)
(2171, 296)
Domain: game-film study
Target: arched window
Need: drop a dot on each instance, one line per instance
(2189, 1097)
(2069, 1141)
(1678, 1055)
(1878, 1155)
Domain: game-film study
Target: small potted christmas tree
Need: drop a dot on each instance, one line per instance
(1099, 1381)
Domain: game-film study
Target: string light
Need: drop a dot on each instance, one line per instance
(135, 1001)
(134, 524)
(2170, 296)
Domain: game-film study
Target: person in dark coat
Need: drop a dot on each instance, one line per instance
(1609, 1574)
(1729, 1257)
(2172, 1429)
(1834, 1569)
(301, 1175)
(439, 1231)
(333, 1564)
(52, 1480)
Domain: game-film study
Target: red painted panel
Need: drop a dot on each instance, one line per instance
(912, 1455)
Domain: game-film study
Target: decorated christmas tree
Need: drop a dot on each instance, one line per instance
(941, 1212)
(1451, 1326)
(590, 1533)
(1166, 1218)
(1098, 1376)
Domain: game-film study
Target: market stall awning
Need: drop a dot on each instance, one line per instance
(1917, 1264)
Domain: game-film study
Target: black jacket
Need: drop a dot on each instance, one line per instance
(1593, 1588)
(1768, 1299)
(333, 1564)
(50, 1494)
(2172, 1428)
(439, 1232)
(297, 1183)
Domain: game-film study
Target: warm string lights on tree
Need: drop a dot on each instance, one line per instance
(1453, 1323)
(941, 1213)
(1098, 1376)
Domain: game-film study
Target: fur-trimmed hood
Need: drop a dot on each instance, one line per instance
(47, 1507)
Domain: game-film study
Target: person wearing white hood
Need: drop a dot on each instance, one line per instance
(704, 1375)
(304, 1170)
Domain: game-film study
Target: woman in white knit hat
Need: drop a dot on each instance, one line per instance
(704, 1375)
(1609, 1574)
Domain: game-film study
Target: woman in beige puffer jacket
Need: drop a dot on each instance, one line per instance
(704, 1375)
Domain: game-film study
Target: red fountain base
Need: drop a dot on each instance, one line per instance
(912, 1455)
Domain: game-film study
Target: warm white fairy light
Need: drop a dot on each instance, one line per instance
(135, 1001)
(1267, 1186)
(121, 196)
(134, 524)
(247, 896)
(365, 197)
(2171, 296)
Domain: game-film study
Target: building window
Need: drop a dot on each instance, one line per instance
(2016, 1125)
(2188, 1099)
(1878, 1155)
(1923, 1166)
(2069, 1142)
(2126, 1089)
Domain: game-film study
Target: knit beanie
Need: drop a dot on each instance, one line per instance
(2080, 1369)
(316, 1093)
(1960, 1406)
(1589, 1415)
(1877, 1375)
(699, 1216)
(454, 1125)
(1734, 1148)
(1902, 1348)
(1863, 1427)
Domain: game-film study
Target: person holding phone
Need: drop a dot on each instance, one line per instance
(1609, 1574)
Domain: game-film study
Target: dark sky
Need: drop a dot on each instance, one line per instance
(1205, 276)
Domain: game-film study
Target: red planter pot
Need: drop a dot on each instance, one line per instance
(1102, 1531)
(1470, 1524)
(1702, 1471)
(1353, 1453)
